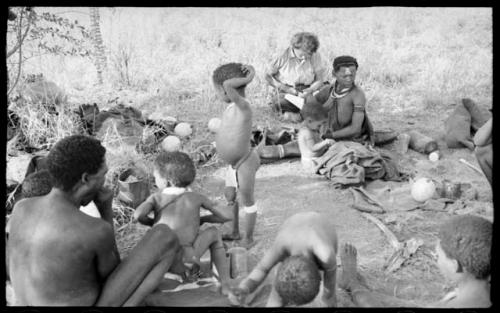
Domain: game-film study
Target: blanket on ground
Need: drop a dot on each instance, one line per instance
(351, 163)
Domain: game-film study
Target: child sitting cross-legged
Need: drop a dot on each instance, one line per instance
(179, 208)
(310, 143)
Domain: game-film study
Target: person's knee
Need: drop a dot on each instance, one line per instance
(482, 152)
(213, 234)
(479, 152)
(230, 194)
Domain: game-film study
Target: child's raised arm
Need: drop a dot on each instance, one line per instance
(230, 86)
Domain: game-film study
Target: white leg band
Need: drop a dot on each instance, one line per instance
(251, 209)
(281, 151)
(231, 177)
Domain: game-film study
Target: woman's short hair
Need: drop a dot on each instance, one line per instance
(305, 41)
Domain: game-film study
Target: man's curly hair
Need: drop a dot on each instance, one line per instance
(297, 280)
(71, 157)
(467, 239)
(227, 71)
(314, 111)
(177, 167)
(37, 184)
(305, 41)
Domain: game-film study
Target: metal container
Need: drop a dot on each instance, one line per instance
(238, 262)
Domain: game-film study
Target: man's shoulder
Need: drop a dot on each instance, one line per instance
(92, 227)
(357, 91)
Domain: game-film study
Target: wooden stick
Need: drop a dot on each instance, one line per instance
(390, 235)
(471, 166)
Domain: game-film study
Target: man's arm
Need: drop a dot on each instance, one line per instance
(103, 201)
(483, 134)
(230, 86)
(142, 211)
(107, 252)
(349, 131)
(358, 116)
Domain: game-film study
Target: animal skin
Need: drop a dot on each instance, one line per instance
(457, 128)
(479, 115)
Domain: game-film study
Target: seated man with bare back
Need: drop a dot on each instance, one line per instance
(233, 145)
(306, 244)
(463, 255)
(60, 256)
(179, 208)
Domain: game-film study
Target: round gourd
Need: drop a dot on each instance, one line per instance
(183, 129)
(423, 189)
(214, 124)
(171, 144)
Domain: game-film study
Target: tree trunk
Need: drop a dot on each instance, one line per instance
(100, 60)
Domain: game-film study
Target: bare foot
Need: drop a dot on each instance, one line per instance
(231, 236)
(348, 275)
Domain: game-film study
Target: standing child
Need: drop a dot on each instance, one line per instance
(233, 144)
(310, 143)
(179, 208)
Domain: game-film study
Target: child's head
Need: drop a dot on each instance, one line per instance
(465, 246)
(37, 184)
(314, 115)
(297, 280)
(173, 169)
(225, 72)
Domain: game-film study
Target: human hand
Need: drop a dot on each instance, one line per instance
(103, 196)
(305, 93)
(238, 296)
(329, 141)
(248, 70)
(292, 91)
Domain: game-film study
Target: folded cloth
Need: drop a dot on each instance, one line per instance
(365, 202)
(350, 163)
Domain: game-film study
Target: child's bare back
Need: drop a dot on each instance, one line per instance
(182, 215)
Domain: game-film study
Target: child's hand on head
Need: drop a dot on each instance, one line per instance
(248, 70)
